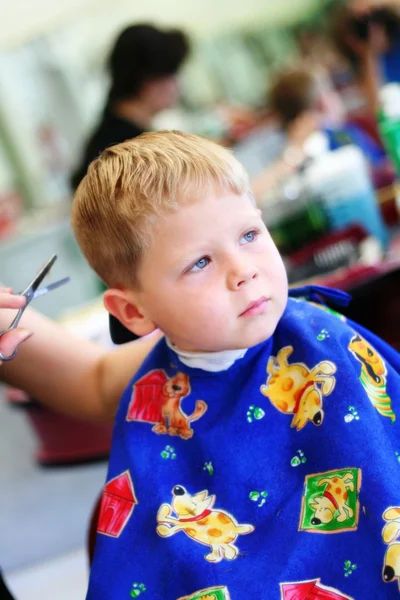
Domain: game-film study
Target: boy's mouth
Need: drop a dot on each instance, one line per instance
(255, 308)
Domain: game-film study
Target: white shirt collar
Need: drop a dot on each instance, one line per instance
(208, 361)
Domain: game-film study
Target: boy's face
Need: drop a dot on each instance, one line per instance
(213, 279)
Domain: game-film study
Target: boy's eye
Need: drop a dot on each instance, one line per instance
(200, 264)
(250, 236)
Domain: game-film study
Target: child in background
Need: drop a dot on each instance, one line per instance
(304, 103)
(297, 92)
(258, 422)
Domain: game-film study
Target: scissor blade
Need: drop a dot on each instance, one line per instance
(34, 284)
(51, 286)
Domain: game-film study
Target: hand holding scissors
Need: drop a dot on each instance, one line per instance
(30, 293)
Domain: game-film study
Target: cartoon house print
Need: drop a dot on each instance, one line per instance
(117, 505)
(214, 593)
(197, 518)
(310, 590)
(296, 390)
(373, 375)
(330, 501)
(391, 536)
(157, 399)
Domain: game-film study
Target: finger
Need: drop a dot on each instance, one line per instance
(10, 301)
(12, 339)
(4, 288)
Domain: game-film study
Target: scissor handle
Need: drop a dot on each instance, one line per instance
(2, 357)
(5, 358)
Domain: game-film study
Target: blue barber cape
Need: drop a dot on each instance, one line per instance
(277, 479)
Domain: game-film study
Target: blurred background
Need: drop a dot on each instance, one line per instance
(311, 109)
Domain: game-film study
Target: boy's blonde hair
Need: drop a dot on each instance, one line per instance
(130, 186)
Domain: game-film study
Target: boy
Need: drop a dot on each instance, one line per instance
(257, 423)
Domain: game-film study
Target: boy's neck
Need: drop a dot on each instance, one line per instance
(208, 361)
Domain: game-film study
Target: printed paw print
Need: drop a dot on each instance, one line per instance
(323, 334)
(208, 466)
(297, 460)
(349, 567)
(352, 415)
(137, 589)
(254, 412)
(168, 452)
(259, 496)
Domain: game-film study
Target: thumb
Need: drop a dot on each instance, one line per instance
(11, 340)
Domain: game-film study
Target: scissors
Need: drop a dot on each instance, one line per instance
(32, 292)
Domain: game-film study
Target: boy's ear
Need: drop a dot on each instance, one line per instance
(120, 304)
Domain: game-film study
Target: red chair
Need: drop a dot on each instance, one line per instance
(63, 440)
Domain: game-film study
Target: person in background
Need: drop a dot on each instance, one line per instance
(143, 66)
(304, 103)
(367, 34)
(297, 92)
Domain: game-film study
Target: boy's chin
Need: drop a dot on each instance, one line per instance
(261, 333)
(256, 339)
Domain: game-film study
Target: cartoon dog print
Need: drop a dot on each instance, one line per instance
(157, 399)
(197, 519)
(297, 390)
(373, 375)
(173, 420)
(391, 533)
(333, 499)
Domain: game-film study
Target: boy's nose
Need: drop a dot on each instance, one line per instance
(240, 274)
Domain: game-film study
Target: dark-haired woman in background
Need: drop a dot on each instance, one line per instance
(143, 66)
(367, 34)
